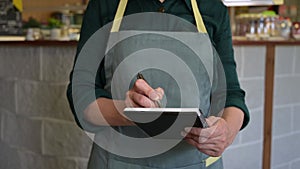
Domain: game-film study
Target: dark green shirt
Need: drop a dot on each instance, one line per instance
(216, 20)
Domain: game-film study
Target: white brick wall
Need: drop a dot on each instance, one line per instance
(247, 154)
(36, 125)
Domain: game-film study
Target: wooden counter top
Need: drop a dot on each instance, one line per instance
(292, 42)
(39, 43)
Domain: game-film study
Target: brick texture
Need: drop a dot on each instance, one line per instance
(57, 63)
(295, 164)
(21, 132)
(282, 121)
(63, 139)
(8, 157)
(287, 90)
(254, 130)
(239, 59)
(297, 62)
(245, 157)
(82, 164)
(254, 64)
(43, 100)
(296, 117)
(37, 161)
(284, 60)
(36, 124)
(285, 149)
(254, 92)
(8, 95)
(20, 62)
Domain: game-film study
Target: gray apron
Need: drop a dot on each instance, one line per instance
(180, 62)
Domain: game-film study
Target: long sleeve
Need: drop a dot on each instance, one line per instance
(223, 44)
(87, 87)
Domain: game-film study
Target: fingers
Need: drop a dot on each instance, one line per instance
(208, 149)
(129, 102)
(134, 99)
(204, 134)
(142, 95)
(197, 134)
(142, 87)
(160, 92)
(212, 141)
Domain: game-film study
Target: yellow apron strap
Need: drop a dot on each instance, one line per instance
(18, 4)
(210, 160)
(119, 15)
(122, 6)
(198, 17)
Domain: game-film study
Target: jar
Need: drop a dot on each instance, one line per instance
(285, 26)
(296, 30)
(251, 32)
(33, 34)
(263, 27)
(241, 25)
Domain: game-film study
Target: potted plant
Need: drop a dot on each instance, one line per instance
(32, 27)
(55, 28)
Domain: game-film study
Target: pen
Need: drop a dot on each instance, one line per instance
(140, 76)
(202, 120)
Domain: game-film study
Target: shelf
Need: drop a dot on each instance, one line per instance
(39, 43)
(241, 42)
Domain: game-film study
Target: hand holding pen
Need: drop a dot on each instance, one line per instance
(143, 95)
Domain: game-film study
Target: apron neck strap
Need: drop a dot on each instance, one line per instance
(199, 21)
(119, 15)
(122, 7)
